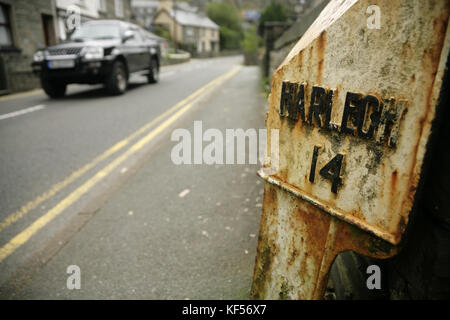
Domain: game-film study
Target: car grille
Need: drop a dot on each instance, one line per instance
(63, 51)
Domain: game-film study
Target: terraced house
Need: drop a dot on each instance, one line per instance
(188, 27)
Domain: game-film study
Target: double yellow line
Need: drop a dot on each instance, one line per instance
(178, 110)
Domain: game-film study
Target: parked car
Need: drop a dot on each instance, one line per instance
(100, 51)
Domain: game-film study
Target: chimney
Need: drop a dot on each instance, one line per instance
(165, 4)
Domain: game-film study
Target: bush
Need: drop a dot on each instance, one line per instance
(163, 32)
(251, 41)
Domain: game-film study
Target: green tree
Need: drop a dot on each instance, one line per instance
(272, 12)
(229, 21)
(230, 39)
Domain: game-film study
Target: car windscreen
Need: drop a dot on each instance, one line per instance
(96, 31)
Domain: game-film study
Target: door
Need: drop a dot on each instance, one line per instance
(49, 30)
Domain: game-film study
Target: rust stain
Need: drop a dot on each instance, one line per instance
(283, 174)
(357, 213)
(394, 179)
(300, 58)
(320, 45)
(393, 190)
(351, 238)
(326, 207)
(293, 251)
(430, 62)
(402, 224)
(265, 248)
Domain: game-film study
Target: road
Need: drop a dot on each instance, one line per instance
(88, 180)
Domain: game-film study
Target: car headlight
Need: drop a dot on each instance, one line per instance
(39, 56)
(92, 53)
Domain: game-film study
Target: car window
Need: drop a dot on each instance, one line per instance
(143, 34)
(96, 31)
(137, 36)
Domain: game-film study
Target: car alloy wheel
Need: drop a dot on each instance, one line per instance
(121, 79)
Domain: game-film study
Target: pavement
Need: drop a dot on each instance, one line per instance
(141, 227)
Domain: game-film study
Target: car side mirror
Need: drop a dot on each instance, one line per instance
(129, 34)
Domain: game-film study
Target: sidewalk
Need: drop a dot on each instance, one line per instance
(172, 232)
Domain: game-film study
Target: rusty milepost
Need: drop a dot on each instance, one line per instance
(354, 107)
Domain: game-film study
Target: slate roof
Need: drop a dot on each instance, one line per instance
(194, 19)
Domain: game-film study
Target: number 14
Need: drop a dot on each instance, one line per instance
(331, 171)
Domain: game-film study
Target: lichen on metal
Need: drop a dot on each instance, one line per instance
(354, 108)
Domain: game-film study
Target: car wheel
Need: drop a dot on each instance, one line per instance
(52, 89)
(153, 74)
(117, 80)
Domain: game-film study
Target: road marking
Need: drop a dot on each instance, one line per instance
(26, 234)
(21, 238)
(21, 112)
(17, 215)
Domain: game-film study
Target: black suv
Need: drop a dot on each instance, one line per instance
(100, 51)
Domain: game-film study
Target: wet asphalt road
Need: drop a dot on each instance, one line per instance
(149, 229)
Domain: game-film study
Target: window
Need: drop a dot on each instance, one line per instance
(5, 27)
(103, 30)
(101, 5)
(118, 4)
(189, 31)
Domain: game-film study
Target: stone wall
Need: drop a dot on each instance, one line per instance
(111, 13)
(28, 35)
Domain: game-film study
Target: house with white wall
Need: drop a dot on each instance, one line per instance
(188, 27)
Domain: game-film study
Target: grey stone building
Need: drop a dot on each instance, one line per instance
(91, 10)
(113, 12)
(116, 9)
(144, 11)
(24, 27)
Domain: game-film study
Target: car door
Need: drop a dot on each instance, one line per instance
(146, 52)
(133, 48)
